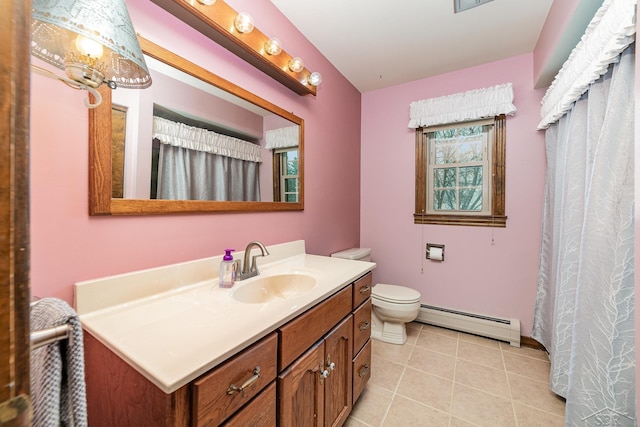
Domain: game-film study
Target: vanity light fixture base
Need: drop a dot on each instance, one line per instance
(217, 23)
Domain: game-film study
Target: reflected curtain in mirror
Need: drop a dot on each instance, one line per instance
(197, 164)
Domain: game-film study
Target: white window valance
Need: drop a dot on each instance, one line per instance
(285, 137)
(610, 31)
(464, 106)
(193, 138)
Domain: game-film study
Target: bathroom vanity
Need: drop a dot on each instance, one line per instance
(167, 347)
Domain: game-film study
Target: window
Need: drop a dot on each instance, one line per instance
(460, 173)
(285, 175)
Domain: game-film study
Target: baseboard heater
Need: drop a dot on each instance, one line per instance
(500, 329)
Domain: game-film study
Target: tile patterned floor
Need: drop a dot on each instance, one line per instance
(452, 379)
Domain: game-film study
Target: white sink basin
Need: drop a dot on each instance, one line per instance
(273, 288)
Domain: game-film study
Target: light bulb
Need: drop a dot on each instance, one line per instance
(88, 47)
(315, 78)
(296, 65)
(273, 46)
(244, 23)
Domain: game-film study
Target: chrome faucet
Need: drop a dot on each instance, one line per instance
(247, 270)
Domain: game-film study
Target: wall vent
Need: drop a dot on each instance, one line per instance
(462, 5)
(507, 330)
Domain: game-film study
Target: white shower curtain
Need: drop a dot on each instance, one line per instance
(585, 302)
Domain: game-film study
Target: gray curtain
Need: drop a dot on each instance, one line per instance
(185, 174)
(584, 312)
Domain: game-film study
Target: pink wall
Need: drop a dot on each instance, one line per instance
(69, 246)
(550, 37)
(496, 279)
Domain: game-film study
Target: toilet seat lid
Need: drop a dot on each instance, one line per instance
(394, 293)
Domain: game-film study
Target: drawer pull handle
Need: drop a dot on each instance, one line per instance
(365, 289)
(248, 383)
(364, 326)
(364, 370)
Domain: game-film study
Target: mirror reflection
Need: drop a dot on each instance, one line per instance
(192, 142)
(184, 139)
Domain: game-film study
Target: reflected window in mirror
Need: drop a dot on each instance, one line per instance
(286, 176)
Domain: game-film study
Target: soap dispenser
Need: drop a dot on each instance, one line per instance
(227, 270)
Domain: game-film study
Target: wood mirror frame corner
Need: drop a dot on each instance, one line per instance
(100, 140)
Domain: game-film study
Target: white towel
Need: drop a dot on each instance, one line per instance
(58, 390)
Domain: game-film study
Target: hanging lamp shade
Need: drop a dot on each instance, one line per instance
(92, 40)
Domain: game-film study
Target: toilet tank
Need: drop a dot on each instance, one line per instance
(359, 254)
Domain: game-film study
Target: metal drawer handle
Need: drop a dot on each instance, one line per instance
(364, 326)
(364, 370)
(365, 289)
(248, 383)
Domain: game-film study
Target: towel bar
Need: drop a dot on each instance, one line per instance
(50, 335)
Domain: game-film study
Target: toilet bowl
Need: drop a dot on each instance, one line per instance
(393, 307)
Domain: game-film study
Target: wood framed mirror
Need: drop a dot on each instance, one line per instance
(128, 154)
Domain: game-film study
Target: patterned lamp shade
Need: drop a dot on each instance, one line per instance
(92, 40)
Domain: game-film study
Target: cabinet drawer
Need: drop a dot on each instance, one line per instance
(301, 333)
(361, 326)
(362, 289)
(260, 412)
(361, 370)
(212, 402)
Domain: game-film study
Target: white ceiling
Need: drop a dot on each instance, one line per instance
(376, 43)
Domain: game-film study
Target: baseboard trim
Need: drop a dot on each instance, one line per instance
(532, 343)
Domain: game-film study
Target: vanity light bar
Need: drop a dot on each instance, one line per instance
(217, 22)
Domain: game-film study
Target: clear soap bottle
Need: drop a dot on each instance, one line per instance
(227, 270)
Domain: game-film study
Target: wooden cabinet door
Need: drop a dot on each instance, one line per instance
(338, 361)
(300, 390)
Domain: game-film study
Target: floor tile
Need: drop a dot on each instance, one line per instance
(405, 412)
(457, 422)
(385, 373)
(535, 394)
(352, 422)
(412, 335)
(527, 366)
(437, 342)
(393, 352)
(372, 406)
(531, 417)
(434, 363)
(425, 388)
(482, 377)
(525, 351)
(481, 408)
(441, 377)
(487, 342)
(491, 357)
(440, 331)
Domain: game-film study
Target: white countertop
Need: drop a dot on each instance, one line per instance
(172, 331)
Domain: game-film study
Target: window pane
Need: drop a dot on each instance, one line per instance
(470, 130)
(458, 145)
(471, 199)
(470, 150)
(444, 177)
(291, 185)
(470, 176)
(444, 200)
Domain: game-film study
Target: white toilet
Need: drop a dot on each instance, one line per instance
(393, 305)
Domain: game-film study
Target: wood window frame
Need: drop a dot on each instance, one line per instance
(497, 218)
